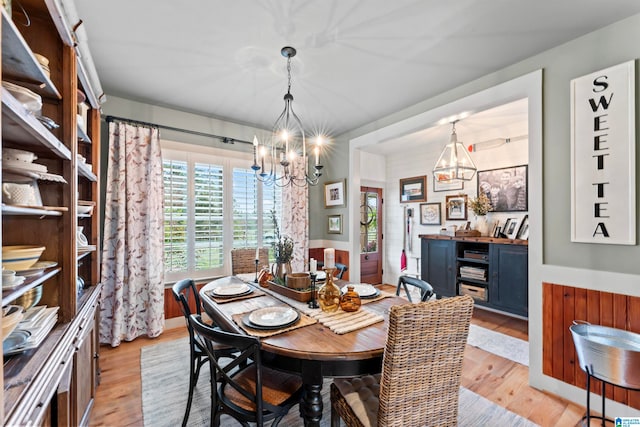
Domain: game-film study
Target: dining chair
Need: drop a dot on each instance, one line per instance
(340, 269)
(426, 290)
(421, 369)
(247, 390)
(186, 294)
(243, 260)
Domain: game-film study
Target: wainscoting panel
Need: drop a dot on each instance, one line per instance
(561, 305)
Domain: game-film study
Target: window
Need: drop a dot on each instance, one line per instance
(213, 203)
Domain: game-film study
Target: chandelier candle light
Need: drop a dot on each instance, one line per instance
(287, 146)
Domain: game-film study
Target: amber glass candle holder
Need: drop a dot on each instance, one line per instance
(329, 293)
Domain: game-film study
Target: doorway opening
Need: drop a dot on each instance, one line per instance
(371, 235)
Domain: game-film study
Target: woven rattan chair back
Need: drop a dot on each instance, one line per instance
(244, 260)
(247, 391)
(421, 369)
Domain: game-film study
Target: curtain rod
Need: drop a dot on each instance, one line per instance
(224, 139)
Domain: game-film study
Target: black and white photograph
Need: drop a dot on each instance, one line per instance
(506, 188)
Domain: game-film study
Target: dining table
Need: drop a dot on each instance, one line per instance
(314, 351)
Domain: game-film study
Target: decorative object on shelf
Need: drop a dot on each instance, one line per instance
(20, 257)
(480, 206)
(506, 188)
(329, 293)
(350, 300)
(523, 230)
(334, 224)
(430, 214)
(454, 164)
(334, 194)
(287, 146)
(456, 207)
(21, 194)
(413, 189)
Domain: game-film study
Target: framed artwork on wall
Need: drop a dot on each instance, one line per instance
(334, 224)
(506, 188)
(456, 185)
(430, 214)
(334, 194)
(413, 189)
(456, 207)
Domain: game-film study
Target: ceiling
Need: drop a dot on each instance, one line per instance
(357, 61)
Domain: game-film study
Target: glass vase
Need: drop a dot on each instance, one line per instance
(350, 301)
(329, 293)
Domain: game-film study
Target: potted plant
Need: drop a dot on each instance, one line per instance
(282, 251)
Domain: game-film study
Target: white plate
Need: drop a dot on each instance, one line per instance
(230, 290)
(273, 316)
(320, 276)
(37, 268)
(17, 281)
(363, 289)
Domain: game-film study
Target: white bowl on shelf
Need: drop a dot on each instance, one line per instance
(13, 154)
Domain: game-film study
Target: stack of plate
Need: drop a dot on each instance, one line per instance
(29, 100)
(44, 63)
(20, 162)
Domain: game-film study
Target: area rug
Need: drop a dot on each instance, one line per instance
(165, 382)
(503, 345)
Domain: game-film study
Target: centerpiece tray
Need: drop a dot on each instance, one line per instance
(302, 295)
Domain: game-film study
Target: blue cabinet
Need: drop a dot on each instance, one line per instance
(438, 265)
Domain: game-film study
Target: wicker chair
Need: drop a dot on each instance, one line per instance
(248, 391)
(244, 260)
(422, 363)
(426, 290)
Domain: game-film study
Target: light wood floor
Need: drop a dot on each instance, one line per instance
(118, 400)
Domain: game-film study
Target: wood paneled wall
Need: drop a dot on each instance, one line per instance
(561, 305)
(341, 256)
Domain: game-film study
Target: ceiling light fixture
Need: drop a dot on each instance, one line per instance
(454, 163)
(286, 155)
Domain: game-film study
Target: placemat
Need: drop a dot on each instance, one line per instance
(256, 293)
(304, 321)
(341, 322)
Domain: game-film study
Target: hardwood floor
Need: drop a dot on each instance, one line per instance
(119, 403)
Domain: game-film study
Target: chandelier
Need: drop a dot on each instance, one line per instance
(454, 163)
(284, 159)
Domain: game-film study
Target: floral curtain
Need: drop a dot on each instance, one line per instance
(295, 221)
(132, 300)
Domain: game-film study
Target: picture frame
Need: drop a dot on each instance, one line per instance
(413, 189)
(523, 230)
(510, 229)
(456, 207)
(334, 194)
(334, 224)
(506, 188)
(430, 214)
(455, 185)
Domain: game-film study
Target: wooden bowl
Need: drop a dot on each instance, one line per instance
(298, 281)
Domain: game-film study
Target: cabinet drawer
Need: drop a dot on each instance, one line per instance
(477, 292)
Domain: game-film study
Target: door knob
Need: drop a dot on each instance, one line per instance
(366, 257)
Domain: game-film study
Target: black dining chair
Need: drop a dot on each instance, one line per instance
(186, 294)
(426, 290)
(247, 390)
(340, 269)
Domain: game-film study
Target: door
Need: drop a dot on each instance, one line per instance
(370, 235)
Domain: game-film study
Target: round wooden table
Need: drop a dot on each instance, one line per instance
(312, 351)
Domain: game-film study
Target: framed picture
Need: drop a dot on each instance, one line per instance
(413, 189)
(457, 207)
(523, 230)
(430, 214)
(506, 188)
(456, 185)
(334, 194)
(334, 225)
(510, 229)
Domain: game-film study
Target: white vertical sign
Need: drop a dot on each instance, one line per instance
(603, 172)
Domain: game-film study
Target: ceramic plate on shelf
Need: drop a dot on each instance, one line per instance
(17, 281)
(37, 268)
(273, 317)
(232, 290)
(365, 290)
(15, 341)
